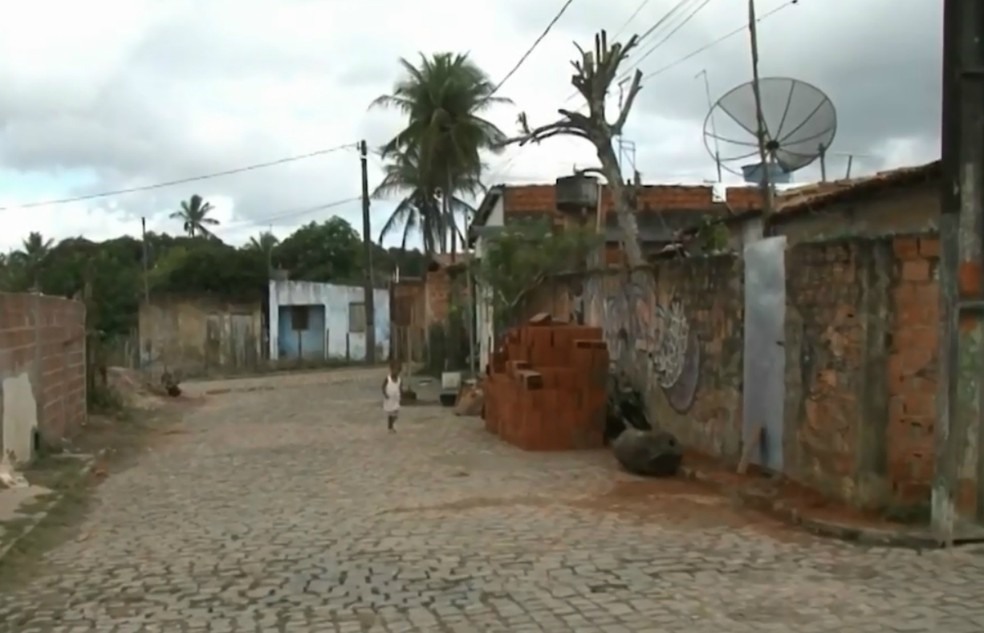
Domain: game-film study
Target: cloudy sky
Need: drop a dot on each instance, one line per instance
(112, 94)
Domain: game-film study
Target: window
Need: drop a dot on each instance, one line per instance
(299, 317)
(357, 318)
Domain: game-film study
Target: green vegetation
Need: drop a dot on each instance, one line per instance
(110, 273)
(524, 255)
(440, 148)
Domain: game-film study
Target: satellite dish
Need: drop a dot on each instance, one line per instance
(799, 120)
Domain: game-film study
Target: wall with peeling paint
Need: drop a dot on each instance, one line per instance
(334, 321)
(42, 372)
(198, 336)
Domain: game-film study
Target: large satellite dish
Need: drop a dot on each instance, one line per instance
(799, 120)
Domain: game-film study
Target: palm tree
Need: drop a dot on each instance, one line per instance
(420, 207)
(264, 243)
(443, 98)
(32, 256)
(194, 213)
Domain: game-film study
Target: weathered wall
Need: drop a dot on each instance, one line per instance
(687, 344)
(200, 336)
(333, 336)
(408, 332)
(901, 210)
(836, 407)
(860, 343)
(42, 371)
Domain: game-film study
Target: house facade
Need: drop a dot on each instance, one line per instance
(317, 321)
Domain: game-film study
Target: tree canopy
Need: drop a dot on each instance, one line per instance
(435, 161)
(329, 251)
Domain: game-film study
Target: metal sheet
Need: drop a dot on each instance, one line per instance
(765, 355)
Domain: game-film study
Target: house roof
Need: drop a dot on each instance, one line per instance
(816, 195)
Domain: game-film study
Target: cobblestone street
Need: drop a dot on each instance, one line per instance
(293, 510)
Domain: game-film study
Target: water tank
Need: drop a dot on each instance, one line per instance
(753, 174)
(576, 194)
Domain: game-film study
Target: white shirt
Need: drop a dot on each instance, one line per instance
(391, 399)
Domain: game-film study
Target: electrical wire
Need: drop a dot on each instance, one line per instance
(654, 47)
(717, 41)
(236, 226)
(171, 183)
(530, 50)
(666, 16)
(652, 29)
(621, 29)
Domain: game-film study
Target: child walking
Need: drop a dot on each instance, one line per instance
(391, 395)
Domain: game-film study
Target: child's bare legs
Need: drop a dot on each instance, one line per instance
(391, 422)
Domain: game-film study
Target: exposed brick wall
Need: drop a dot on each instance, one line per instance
(44, 338)
(913, 368)
(862, 336)
(826, 356)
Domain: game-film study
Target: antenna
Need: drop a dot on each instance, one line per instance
(799, 123)
(710, 108)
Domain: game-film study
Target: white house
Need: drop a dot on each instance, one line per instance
(322, 321)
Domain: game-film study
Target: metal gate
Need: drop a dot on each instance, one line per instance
(765, 354)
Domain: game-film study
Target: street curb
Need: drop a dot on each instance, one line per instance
(87, 463)
(821, 527)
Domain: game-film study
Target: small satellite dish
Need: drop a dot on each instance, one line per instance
(799, 124)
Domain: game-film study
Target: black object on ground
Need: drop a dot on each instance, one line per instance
(626, 409)
(648, 453)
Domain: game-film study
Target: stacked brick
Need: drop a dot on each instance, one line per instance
(546, 390)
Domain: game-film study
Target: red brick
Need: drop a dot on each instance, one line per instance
(916, 270)
(906, 247)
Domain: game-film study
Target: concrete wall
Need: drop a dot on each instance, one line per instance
(42, 371)
(330, 337)
(686, 343)
(198, 336)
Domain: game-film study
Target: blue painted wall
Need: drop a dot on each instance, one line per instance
(333, 320)
(308, 343)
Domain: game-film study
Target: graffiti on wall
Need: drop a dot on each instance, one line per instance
(639, 328)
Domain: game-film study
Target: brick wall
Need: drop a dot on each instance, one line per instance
(913, 367)
(862, 336)
(42, 341)
(836, 302)
(684, 345)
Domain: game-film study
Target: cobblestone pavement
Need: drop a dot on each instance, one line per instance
(294, 510)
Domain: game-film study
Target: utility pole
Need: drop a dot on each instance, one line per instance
(368, 301)
(765, 183)
(146, 265)
(959, 395)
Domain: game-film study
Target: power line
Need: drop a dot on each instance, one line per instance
(289, 214)
(642, 5)
(717, 41)
(655, 46)
(530, 50)
(666, 16)
(652, 29)
(171, 183)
